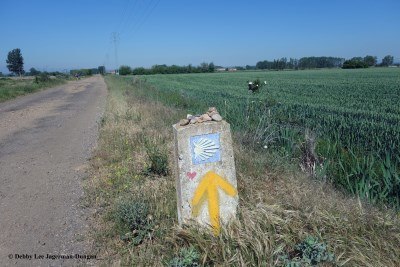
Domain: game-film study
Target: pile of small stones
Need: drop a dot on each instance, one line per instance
(211, 115)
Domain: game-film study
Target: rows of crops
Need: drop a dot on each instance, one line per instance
(354, 113)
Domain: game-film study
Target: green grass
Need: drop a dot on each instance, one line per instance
(11, 88)
(355, 115)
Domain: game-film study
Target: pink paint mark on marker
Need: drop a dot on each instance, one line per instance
(191, 175)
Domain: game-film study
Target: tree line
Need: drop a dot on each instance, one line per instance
(87, 72)
(302, 63)
(165, 69)
(15, 64)
(322, 62)
(367, 61)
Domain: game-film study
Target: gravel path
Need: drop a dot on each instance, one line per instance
(46, 139)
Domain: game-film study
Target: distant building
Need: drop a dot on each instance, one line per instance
(115, 72)
(220, 69)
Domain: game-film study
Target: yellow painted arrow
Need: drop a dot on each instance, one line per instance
(208, 188)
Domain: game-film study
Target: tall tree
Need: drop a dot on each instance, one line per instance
(102, 70)
(33, 72)
(370, 60)
(204, 67)
(387, 60)
(15, 61)
(125, 70)
(211, 67)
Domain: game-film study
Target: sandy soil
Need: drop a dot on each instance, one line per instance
(45, 141)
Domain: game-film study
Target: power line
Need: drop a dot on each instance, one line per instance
(140, 17)
(123, 16)
(130, 21)
(106, 57)
(147, 14)
(131, 15)
(115, 39)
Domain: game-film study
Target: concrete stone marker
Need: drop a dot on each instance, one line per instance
(206, 178)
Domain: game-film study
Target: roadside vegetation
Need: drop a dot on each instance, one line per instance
(285, 218)
(17, 86)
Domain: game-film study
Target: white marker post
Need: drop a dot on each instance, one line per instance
(206, 178)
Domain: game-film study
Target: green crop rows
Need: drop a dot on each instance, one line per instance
(355, 115)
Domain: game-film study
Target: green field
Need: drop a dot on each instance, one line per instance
(354, 114)
(13, 87)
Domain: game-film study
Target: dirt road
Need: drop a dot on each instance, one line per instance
(45, 141)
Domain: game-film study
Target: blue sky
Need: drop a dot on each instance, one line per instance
(57, 35)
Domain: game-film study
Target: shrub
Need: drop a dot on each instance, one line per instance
(42, 77)
(309, 252)
(354, 63)
(125, 70)
(133, 220)
(188, 257)
(158, 158)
